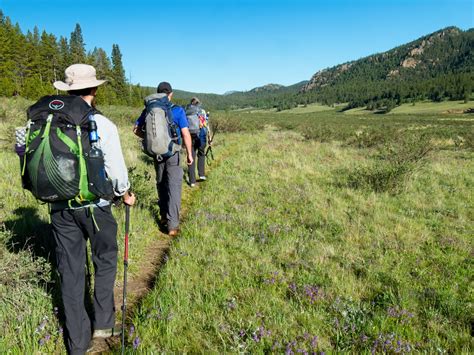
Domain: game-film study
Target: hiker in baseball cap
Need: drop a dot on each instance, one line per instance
(78, 77)
(164, 88)
(169, 173)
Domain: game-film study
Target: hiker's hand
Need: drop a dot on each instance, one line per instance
(189, 159)
(129, 198)
(209, 143)
(138, 131)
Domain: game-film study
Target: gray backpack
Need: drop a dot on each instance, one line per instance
(192, 114)
(162, 136)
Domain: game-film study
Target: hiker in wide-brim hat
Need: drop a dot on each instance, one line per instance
(74, 223)
(79, 76)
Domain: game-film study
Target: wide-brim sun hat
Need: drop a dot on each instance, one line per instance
(78, 76)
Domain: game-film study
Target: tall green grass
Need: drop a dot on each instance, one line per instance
(277, 256)
(316, 231)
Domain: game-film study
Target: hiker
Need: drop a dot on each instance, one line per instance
(84, 216)
(169, 173)
(198, 127)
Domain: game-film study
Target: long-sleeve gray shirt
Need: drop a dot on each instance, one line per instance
(109, 142)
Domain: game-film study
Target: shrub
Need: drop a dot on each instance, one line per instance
(142, 187)
(392, 165)
(371, 137)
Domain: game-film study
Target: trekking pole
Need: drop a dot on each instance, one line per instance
(209, 154)
(88, 275)
(125, 267)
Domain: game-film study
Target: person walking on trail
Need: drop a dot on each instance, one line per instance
(78, 219)
(199, 129)
(169, 173)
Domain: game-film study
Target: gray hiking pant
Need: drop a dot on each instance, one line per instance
(169, 180)
(201, 159)
(71, 229)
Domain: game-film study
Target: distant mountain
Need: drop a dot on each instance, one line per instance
(262, 96)
(267, 88)
(277, 88)
(443, 61)
(230, 92)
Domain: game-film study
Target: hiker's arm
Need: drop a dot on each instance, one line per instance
(129, 198)
(138, 128)
(187, 144)
(113, 158)
(138, 131)
(209, 136)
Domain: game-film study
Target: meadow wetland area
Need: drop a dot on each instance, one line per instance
(317, 230)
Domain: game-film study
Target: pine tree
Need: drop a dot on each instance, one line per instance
(118, 75)
(77, 46)
(64, 59)
(49, 54)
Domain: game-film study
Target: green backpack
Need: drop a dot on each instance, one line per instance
(57, 165)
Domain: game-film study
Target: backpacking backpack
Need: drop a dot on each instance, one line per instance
(56, 165)
(192, 114)
(162, 137)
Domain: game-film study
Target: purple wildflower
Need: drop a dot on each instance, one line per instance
(41, 325)
(276, 345)
(231, 304)
(136, 342)
(132, 330)
(313, 293)
(292, 287)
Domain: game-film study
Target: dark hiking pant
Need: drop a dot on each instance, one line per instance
(71, 229)
(169, 180)
(200, 149)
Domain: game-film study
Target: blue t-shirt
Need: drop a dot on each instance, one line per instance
(179, 117)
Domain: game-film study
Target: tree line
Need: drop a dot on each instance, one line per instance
(31, 62)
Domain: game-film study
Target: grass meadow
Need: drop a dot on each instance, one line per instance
(317, 231)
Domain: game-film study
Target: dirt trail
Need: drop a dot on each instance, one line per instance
(139, 285)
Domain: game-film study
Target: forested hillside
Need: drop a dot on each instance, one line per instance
(436, 67)
(31, 62)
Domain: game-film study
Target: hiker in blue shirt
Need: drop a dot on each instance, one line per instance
(169, 173)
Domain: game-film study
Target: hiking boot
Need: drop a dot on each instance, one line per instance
(173, 232)
(107, 333)
(202, 178)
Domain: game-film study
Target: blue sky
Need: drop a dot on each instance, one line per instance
(222, 45)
